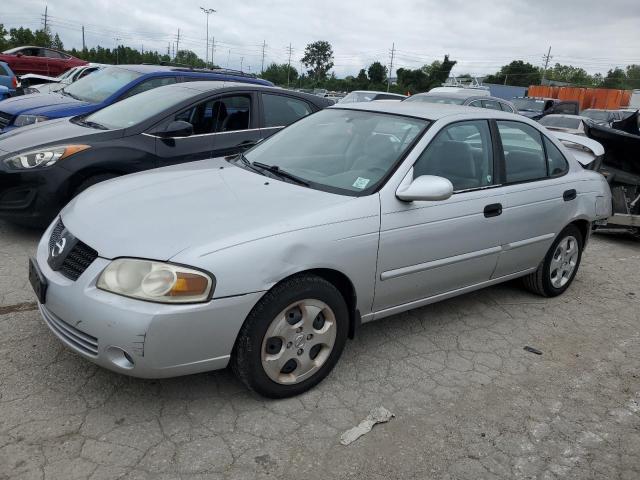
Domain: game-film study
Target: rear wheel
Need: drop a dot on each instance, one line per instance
(292, 338)
(560, 265)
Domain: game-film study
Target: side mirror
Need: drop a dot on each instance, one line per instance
(177, 128)
(426, 188)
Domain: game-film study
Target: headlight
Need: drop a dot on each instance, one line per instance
(156, 281)
(43, 157)
(23, 120)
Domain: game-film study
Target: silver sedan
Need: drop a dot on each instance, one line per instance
(269, 261)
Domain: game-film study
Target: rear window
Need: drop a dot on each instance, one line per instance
(435, 99)
(3, 71)
(560, 122)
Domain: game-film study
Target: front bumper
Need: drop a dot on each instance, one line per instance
(32, 197)
(138, 338)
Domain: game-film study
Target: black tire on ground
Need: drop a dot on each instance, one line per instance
(246, 360)
(540, 281)
(91, 181)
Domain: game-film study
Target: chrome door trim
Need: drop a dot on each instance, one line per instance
(528, 241)
(421, 267)
(213, 133)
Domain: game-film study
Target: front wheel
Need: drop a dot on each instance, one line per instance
(292, 338)
(560, 265)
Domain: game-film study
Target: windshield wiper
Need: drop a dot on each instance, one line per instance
(281, 173)
(247, 163)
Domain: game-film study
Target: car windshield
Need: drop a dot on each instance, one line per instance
(528, 104)
(436, 99)
(561, 122)
(597, 115)
(355, 97)
(340, 150)
(139, 108)
(100, 85)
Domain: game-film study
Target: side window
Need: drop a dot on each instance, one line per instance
(226, 114)
(148, 85)
(491, 104)
(462, 153)
(555, 159)
(51, 53)
(475, 103)
(3, 72)
(506, 107)
(523, 152)
(280, 110)
(568, 108)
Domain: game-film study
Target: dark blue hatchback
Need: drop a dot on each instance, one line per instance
(103, 88)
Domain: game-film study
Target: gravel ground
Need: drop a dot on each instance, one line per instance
(470, 403)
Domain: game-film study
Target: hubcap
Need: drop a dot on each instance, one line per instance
(298, 341)
(564, 261)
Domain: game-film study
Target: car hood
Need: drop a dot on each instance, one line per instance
(53, 132)
(41, 104)
(209, 204)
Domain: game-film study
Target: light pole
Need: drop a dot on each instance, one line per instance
(207, 12)
(117, 39)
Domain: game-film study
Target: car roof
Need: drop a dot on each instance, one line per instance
(564, 115)
(377, 91)
(427, 111)
(204, 86)
(460, 95)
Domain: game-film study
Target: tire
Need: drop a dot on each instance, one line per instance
(547, 283)
(91, 181)
(292, 338)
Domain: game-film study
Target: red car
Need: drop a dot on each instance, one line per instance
(41, 60)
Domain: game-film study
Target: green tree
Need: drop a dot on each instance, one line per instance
(517, 73)
(57, 43)
(278, 74)
(189, 58)
(4, 42)
(377, 73)
(21, 36)
(318, 58)
(633, 76)
(425, 78)
(616, 78)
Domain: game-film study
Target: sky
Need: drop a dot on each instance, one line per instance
(481, 35)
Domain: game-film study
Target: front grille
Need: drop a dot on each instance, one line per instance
(79, 257)
(5, 119)
(78, 339)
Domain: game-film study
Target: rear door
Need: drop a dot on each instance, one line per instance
(237, 125)
(538, 196)
(56, 63)
(279, 110)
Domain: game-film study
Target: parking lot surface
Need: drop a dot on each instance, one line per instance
(469, 401)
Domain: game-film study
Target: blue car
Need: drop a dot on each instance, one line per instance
(103, 88)
(7, 79)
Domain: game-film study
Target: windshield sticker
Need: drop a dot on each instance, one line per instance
(361, 183)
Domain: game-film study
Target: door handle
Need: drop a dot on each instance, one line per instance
(493, 210)
(569, 195)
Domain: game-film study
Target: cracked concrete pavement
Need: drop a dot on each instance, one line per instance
(470, 403)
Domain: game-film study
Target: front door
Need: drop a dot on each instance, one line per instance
(433, 247)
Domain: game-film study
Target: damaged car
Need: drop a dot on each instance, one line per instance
(269, 260)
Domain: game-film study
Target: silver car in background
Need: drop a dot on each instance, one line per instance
(270, 260)
(471, 97)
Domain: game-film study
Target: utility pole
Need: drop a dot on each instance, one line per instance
(213, 50)
(546, 58)
(393, 51)
(84, 47)
(207, 11)
(241, 62)
(169, 49)
(46, 18)
(178, 43)
(289, 64)
(264, 45)
(117, 39)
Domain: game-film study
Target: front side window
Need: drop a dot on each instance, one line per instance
(506, 107)
(51, 53)
(101, 85)
(280, 111)
(523, 152)
(225, 114)
(343, 151)
(558, 165)
(139, 108)
(149, 84)
(462, 153)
